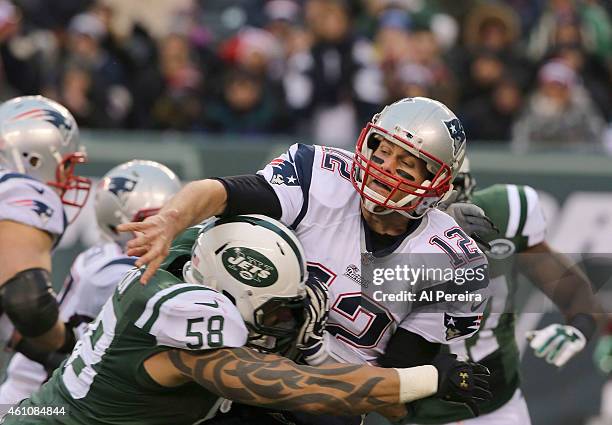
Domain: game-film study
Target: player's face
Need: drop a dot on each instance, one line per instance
(398, 162)
(278, 315)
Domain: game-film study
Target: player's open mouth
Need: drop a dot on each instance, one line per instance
(381, 185)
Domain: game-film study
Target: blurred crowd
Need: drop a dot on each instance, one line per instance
(526, 72)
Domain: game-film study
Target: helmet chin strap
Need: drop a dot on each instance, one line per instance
(425, 205)
(374, 208)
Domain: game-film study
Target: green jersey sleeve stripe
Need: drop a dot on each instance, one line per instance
(514, 206)
(154, 315)
(523, 210)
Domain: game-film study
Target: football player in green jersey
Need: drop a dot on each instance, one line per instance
(519, 228)
(170, 352)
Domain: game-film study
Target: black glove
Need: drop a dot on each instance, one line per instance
(462, 382)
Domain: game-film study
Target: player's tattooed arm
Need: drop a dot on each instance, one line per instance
(267, 380)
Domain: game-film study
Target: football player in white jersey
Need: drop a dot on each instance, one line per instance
(39, 149)
(350, 211)
(129, 192)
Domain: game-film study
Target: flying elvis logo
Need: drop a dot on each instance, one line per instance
(284, 172)
(51, 116)
(121, 185)
(43, 210)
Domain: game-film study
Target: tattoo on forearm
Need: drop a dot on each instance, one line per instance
(246, 376)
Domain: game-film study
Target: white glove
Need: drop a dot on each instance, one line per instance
(310, 340)
(556, 343)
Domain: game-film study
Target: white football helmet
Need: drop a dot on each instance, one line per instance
(259, 264)
(428, 130)
(40, 138)
(132, 191)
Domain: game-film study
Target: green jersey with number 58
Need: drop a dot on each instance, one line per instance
(104, 380)
(516, 212)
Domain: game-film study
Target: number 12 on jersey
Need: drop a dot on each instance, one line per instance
(467, 251)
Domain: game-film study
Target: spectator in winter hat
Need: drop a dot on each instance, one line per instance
(560, 112)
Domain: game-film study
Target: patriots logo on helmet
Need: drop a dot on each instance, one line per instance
(44, 211)
(58, 120)
(54, 117)
(457, 133)
(121, 185)
(457, 326)
(284, 172)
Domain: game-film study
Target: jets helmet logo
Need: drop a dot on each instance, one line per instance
(249, 267)
(43, 210)
(284, 172)
(120, 185)
(456, 132)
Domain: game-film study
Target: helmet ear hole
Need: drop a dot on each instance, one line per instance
(34, 161)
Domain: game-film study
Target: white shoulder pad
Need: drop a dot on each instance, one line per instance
(313, 181)
(443, 243)
(92, 280)
(452, 295)
(26, 200)
(289, 175)
(193, 317)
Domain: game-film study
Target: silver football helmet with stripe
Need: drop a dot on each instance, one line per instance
(259, 264)
(426, 129)
(132, 191)
(40, 138)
